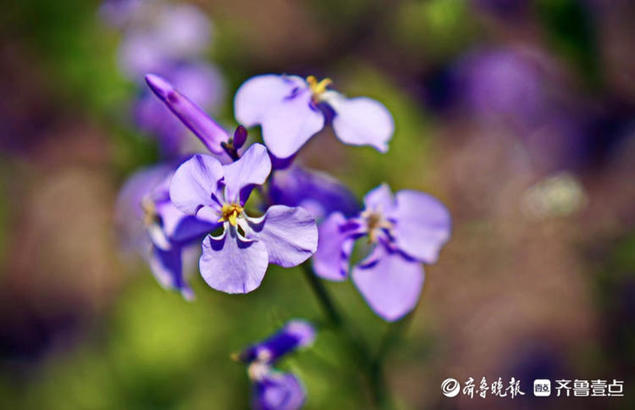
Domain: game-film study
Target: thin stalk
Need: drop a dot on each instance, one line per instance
(371, 369)
(392, 337)
(322, 295)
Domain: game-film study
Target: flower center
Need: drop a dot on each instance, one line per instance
(231, 212)
(150, 215)
(259, 368)
(318, 87)
(376, 223)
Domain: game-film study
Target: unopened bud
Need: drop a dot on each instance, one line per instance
(240, 136)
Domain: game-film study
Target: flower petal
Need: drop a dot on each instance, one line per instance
(317, 192)
(362, 121)
(183, 30)
(389, 282)
(302, 330)
(210, 133)
(258, 94)
(182, 228)
(194, 183)
(128, 210)
(287, 125)
(278, 391)
(331, 260)
(290, 234)
(251, 169)
(167, 268)
(422, 225)
(232, 264)
(379, 199)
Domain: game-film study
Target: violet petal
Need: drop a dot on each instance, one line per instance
(290, 234)
(331, 260)
(390, 283)
(362, 121)
(232, 264)
(422, 225)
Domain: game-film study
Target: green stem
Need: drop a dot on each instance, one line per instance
(371, 369)
(322, 295)
(392, 337)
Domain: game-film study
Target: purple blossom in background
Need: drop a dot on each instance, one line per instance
(235, 260)
(525, 94)
(275, 390)
(202, 83)
(405, 231)
(317, 192)
(156, 228)
(508, 9)
(505, 87)
(118, 13)
(161, 35)
(291, 110)
(170, 40)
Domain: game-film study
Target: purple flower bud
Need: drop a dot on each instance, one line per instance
(203, 84)
(240, 137)
(208, 131)
(295, 334)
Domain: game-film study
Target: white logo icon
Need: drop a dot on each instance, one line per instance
(450, 387)
(542, 387)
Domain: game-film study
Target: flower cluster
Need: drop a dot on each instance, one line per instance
(207, 195)
(273, 389)
(249, 205)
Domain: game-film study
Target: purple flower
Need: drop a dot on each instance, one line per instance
(274, 390)
(511, 10)
(156, 227)
(119, 12)
(235, 260)
(504, 87)
(128, 211)
(317, 192)
(202, 82)
(404, 231)
(290, 110)
(161, 34)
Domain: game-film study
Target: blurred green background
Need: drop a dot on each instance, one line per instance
(537, 280)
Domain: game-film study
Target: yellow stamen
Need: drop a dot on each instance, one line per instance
(230, 212)
(318, 88)
(375, 222)
(150, 216)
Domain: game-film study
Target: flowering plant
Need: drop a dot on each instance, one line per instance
(249, 206)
